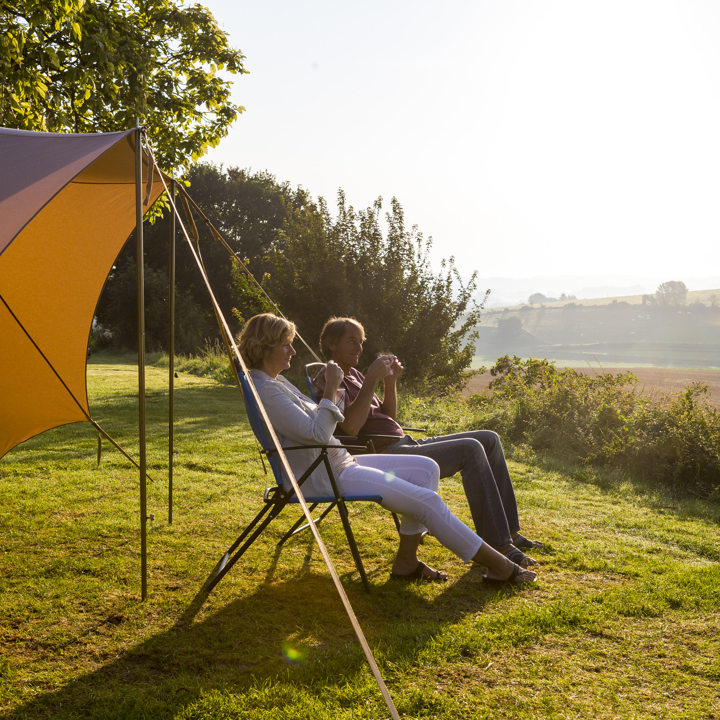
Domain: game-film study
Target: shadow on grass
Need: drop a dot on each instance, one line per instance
(259, 638)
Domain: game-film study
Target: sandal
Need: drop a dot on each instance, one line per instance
(520, 541)
(417, 575)
(519, 557)
(515, 572)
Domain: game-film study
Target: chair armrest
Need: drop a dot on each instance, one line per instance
(314, 447)
(367, 439)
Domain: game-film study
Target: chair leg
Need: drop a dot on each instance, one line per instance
(396, 521)
(294, 529)
(342, 509)
(228, 560)
(351, 541)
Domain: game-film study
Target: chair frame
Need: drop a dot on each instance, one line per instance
(276, 498)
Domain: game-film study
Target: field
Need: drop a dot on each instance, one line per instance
(668, 381)
(615, 333)
(623, 622)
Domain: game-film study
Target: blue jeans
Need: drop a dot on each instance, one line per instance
(479, 458)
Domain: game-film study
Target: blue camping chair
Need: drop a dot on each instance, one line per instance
(275, 498)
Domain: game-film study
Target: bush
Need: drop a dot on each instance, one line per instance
(117, 312)
(602, 420)
(211, 362)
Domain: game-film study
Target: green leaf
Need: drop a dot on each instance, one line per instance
(99, 52)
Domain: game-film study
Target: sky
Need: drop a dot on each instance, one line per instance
(528, 138)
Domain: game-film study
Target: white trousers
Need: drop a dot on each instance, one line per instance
(408, 486)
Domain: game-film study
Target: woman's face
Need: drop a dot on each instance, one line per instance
(278, 359)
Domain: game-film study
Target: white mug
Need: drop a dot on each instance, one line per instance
(340, 399)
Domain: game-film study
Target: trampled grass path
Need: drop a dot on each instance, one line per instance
(623, 623)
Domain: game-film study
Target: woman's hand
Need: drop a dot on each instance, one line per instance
(333, 378)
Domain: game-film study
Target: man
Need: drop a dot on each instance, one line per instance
(478, 456)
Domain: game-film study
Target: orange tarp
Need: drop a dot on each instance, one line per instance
(67, 206)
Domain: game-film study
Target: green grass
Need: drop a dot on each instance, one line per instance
(623, 623)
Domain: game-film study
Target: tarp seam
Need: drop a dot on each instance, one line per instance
(44, 357)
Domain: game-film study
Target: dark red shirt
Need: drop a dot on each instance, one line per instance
(378, 422)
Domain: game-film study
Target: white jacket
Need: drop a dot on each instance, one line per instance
(299, 421)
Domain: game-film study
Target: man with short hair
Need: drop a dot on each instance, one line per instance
(478, 455)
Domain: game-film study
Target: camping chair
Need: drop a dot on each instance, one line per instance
(276, 498)
(366, 439)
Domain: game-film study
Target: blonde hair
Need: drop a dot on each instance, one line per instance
(261, 334)
(334, 331)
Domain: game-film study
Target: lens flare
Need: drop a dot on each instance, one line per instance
(293, 653)
(389, 476)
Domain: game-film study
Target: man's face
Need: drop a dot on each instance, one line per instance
(346, 353)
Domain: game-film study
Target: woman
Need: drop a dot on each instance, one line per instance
(407, 484)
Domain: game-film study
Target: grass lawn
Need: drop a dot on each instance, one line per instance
(623, 622)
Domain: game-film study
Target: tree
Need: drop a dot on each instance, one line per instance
(117, 312)
(538, 298)
(249, 209)
(671, 293)
(323, 266)
(509, 327)
(96, 65)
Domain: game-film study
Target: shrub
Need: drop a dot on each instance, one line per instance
(211, 362)
(117, 312)
(602, 420)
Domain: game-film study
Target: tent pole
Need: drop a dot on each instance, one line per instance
(171, 352)
(141, 353)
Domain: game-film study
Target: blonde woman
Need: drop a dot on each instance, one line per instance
(407, 484)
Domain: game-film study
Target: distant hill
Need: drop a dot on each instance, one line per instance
(512, 291)
(707, 297)
(617, 331)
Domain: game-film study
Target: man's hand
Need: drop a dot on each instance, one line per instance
(396, 368)
(389, 403)
(379, 370)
